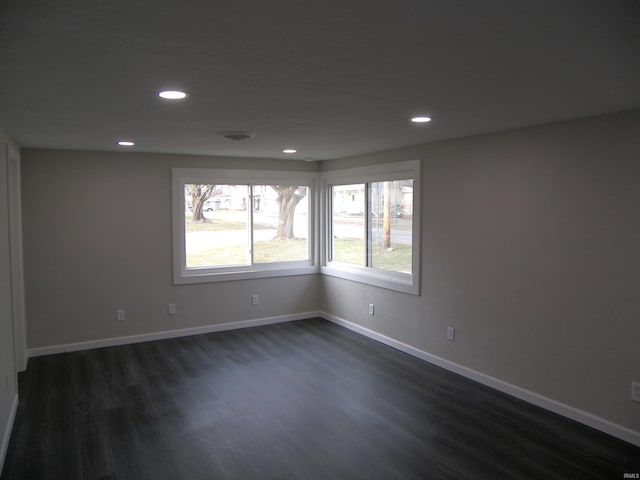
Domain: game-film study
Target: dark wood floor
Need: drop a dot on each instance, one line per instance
(302, 400)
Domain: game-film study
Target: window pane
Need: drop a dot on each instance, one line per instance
(390, 224)
(280, 223)
(347, 217)
(216, 225)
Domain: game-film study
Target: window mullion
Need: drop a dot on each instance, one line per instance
(329, 222)
(250, 223)
(367, 223)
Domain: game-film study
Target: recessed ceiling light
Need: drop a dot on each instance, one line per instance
(420, 119)
(172, 94)
(126, 143)
(289, 150)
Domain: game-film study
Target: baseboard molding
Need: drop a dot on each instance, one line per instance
(146, 337)
(580, 416)
(6, 435)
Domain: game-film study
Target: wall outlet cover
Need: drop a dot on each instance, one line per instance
(451, 334)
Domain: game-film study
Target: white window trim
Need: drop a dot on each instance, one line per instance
(183, 275)
(402, 282)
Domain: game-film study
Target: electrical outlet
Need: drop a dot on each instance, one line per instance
(635, 391)
(451, 334)
(120, 316)
(255, 299)
(371, 309)
(171, 309)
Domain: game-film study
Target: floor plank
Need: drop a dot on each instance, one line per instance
(300, 400)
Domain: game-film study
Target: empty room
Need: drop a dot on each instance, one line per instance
(319, 240)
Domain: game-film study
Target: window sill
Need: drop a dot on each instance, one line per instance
(194, 275)
(399, 282)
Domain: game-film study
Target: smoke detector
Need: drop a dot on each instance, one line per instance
(237, 135)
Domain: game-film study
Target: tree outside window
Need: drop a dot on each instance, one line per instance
(221, 231)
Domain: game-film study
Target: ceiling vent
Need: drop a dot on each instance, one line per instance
(237, 136)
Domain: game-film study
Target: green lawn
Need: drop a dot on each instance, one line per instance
(212, 224)
(397, 259)
(217, 223)
(280, 250)
(265, 252)
(231, 255)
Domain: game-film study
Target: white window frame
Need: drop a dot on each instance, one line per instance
(402, 282)
(181, 176)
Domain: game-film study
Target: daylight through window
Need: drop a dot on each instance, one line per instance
(361, 225)
(373, 225)
(233, 230)
(221, 230)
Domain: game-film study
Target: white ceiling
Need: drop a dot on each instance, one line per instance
(331, 78)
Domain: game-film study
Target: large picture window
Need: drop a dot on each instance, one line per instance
(236, 224)
(241, 224)
(372, 225)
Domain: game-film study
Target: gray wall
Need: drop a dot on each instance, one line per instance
(8, 390)
(531, 250)
(97, 237)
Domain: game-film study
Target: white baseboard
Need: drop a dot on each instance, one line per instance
(184, 332)
(565, 410)
(6, 435)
